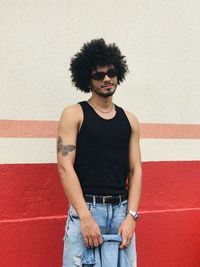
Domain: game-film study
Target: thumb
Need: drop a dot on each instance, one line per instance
(119, 231)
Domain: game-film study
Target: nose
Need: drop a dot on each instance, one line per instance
(106, 78)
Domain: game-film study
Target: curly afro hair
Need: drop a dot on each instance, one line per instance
(93, 54)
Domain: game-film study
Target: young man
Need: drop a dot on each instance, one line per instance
(98, 153)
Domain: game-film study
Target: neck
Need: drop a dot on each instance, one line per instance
(101, 102)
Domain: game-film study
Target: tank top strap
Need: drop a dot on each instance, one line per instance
(121, 114)
(83, 105)
(86, 109)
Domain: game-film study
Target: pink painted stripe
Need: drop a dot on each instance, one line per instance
(170, 131)
(28, 129)
(64, 217)
(47, 129)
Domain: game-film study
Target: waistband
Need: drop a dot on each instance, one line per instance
(105, 200)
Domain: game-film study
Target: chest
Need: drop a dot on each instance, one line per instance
(105, 133)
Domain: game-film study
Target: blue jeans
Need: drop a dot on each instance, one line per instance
(108, 217)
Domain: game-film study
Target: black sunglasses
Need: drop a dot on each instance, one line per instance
(98, 76)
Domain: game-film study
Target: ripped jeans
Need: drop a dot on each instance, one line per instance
(108, 217)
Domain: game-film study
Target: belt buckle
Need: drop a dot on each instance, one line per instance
(104, 199)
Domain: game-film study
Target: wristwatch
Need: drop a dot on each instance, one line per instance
(134, 214)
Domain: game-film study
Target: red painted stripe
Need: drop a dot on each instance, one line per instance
(47, 129)
(34, 190)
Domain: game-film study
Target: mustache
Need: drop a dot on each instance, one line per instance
(107, 84)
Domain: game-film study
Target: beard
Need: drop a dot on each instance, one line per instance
(104, 94)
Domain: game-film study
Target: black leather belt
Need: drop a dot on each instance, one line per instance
(105, 199)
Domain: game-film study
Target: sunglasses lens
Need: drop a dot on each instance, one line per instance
(101, 75)
(112, 73)
(98, 76)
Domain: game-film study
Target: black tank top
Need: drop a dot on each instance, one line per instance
(102, 162)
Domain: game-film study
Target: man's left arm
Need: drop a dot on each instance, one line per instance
(127, 228)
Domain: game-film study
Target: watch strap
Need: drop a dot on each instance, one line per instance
(134, 214)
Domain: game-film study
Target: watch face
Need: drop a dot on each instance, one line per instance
(136, 216)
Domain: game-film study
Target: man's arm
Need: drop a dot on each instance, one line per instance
(135, 168)
(134, 181)
(66, 150)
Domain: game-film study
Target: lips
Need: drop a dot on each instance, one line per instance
(107, 86)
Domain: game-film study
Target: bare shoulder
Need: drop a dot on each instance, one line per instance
(134, 124)
(132, 119)
(71, 116)
(72, 112)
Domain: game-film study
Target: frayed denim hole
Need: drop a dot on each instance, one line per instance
(77, 260)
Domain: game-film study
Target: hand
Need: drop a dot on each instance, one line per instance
(126, 230)
(91, 232)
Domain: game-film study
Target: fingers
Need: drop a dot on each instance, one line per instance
(94, 241)
(100, 240)
(86, 241)
(90, 242)
(125, 243)
(91, 233)
(119, 231)
(97, 241)
(125, 239)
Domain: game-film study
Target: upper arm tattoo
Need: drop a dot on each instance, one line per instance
(62, 148)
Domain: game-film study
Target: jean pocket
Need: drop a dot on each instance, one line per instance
(124, 205)
(72, 212)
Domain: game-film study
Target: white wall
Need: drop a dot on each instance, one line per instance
(160, 39)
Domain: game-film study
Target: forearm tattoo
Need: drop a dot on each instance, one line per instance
(62, 148)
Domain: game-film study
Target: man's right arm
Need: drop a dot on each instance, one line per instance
(66, 151)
